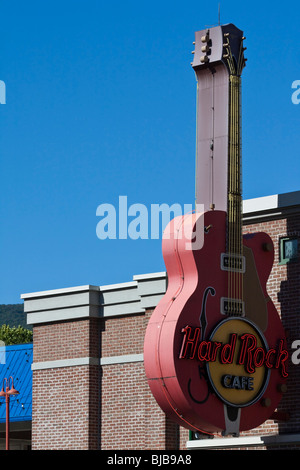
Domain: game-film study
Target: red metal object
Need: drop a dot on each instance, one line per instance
(196, 286)
(7, 393)
(215, 353)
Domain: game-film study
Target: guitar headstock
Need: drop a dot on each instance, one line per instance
(220, 44)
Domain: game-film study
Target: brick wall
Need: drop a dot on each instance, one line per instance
(130, 417)
(66, 400)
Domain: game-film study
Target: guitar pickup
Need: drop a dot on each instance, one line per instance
(233, 263)
(232, 307)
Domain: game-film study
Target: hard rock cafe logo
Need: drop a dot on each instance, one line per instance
(237, 357)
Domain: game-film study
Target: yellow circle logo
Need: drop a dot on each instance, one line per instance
(238, 375)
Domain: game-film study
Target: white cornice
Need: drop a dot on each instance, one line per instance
(88, 301)
(276, 205)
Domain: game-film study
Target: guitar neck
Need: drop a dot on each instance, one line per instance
(234, 204)
(218, 64)
(234, 209)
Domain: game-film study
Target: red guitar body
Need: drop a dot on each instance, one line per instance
(196, 286)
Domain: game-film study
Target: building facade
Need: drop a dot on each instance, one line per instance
(89, 389)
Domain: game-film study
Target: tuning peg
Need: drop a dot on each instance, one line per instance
(243, 38)
(205, 38)
(193, 52)
(194, 42)
(204, 59)
(205, 48)
(226, 35)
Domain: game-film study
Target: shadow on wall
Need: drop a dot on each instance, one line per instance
(289, 298)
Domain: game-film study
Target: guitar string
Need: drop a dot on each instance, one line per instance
(236, 189)
(230, 196)
(240, 190)
(239, 174)
(231, 163)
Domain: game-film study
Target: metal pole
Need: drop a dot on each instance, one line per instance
(7, 419)
(6, 394)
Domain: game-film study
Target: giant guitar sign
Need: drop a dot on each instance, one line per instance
(215, 350)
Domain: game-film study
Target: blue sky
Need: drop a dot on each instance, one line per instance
(100, 102)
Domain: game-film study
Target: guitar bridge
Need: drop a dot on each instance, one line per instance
(233, 263)
(232, 307)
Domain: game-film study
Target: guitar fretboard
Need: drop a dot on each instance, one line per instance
(234, 210)
(234, 242)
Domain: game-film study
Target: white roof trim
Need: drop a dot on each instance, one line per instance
(67, 290)
(270, 203)
(260, 204)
